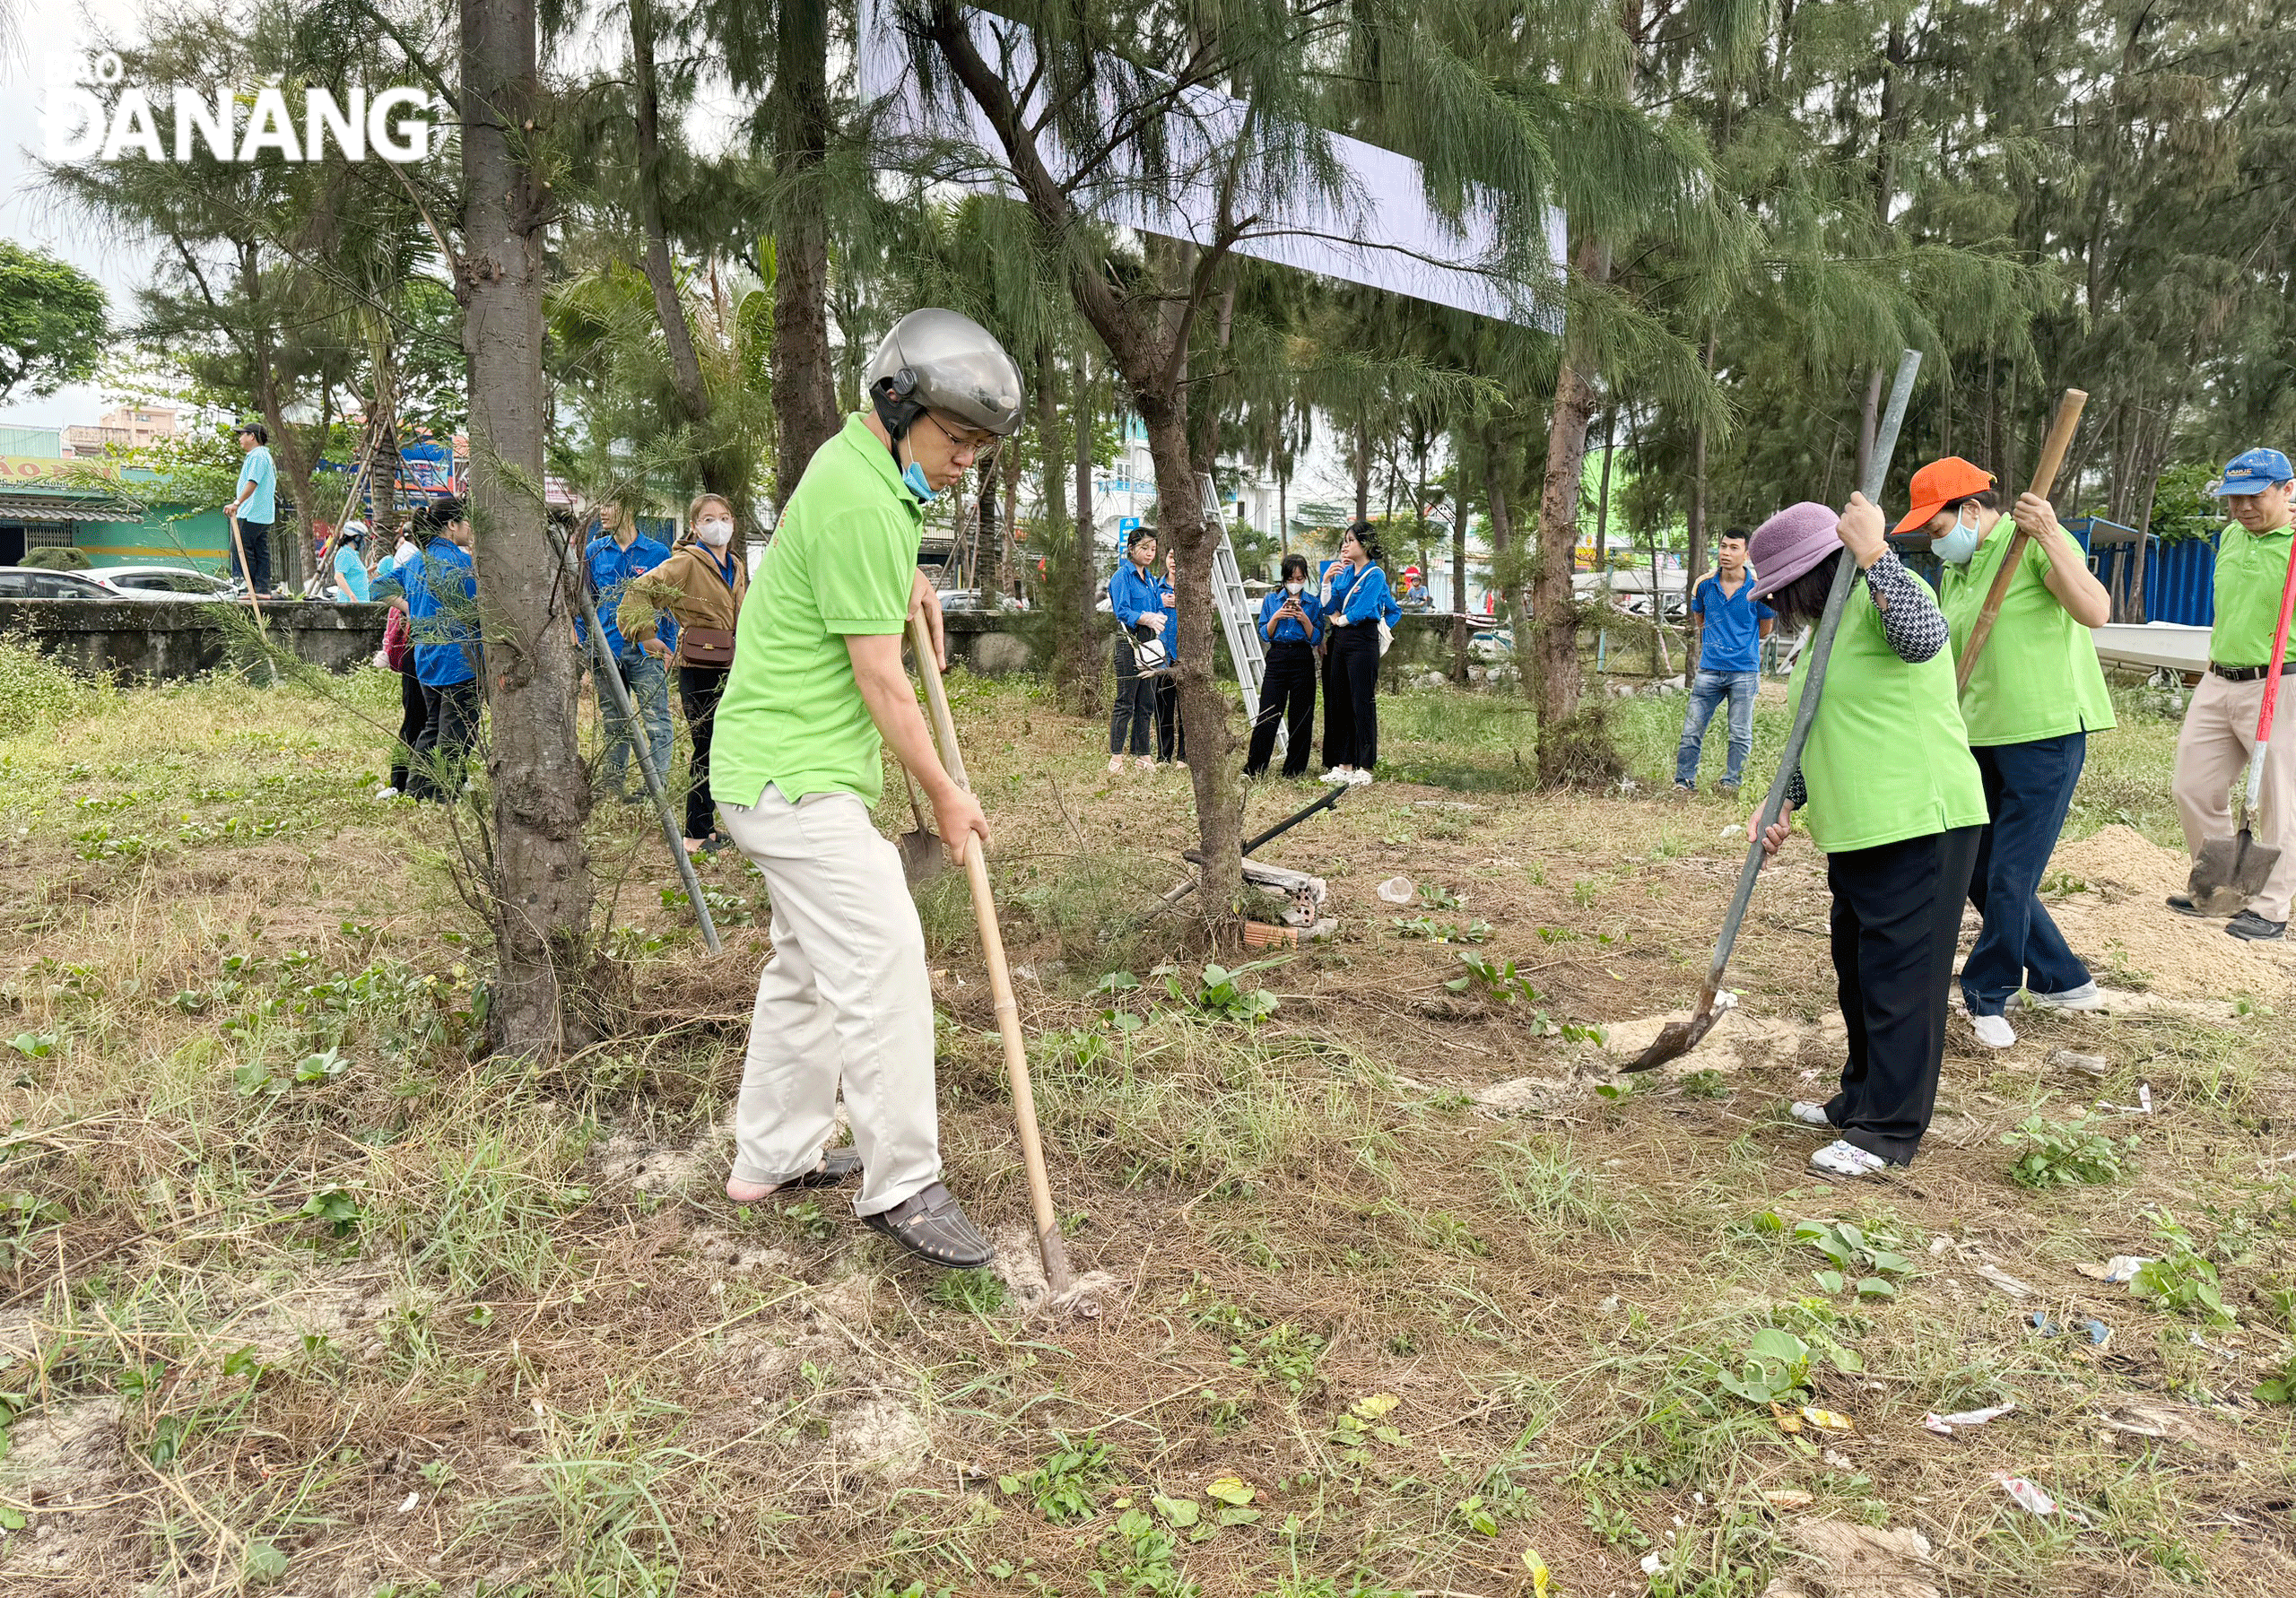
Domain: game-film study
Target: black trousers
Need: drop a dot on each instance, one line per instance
(1287, 695)
(1351, 707)
(255, 537)
(699, 688)
(413, 715)
(449, 729)
(1897, 921)
(1135, 708)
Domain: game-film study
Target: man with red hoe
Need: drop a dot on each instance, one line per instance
(817, 690)
(2225, 726)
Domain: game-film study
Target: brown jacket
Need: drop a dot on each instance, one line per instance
(690, 587)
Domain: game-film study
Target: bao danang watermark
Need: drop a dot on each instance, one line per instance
(93, 113)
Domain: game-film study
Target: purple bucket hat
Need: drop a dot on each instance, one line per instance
(1790, 543)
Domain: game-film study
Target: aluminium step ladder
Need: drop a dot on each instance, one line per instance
(1235, 621)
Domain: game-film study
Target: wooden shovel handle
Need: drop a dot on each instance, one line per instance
(1049, 1245)
(2053, 448)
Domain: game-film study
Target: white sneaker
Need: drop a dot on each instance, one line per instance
(2085, 998)
(385, 794)
(1339, 774)
(1143, 763)
(1358, 777)
(1116, 765)
(1994, 1031)
(1808, 1114)
(1840, 1159)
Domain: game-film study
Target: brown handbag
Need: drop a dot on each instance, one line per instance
(706, 646)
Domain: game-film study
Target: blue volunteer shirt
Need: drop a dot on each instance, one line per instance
(611, 567)
(441, 609)
(351, 571)
(1733, 638)
(1289, 631)
(263, 505)
(1350, 598)
(1133, 592)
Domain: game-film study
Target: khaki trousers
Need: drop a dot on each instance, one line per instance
(2213, 750)
(845, 1002)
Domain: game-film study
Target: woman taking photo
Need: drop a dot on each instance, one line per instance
(1291, 626)
(1893, 798)
(1359, 608)
(701, 585)
(2035, 696)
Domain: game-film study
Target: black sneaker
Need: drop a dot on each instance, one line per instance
(2181, 903)
(2253, 928)
(931, 1225)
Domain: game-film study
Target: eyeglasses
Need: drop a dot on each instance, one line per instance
(971, 445)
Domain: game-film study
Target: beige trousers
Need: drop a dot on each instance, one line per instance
(845, 1002)
(2213, 750)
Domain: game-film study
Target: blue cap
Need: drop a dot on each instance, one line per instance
(2253, 472)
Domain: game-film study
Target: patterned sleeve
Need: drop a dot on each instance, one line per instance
(1797, 794)
(1910, 620)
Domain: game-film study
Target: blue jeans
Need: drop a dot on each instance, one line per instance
(2028, 789)
(649, 682)
(1707, 691)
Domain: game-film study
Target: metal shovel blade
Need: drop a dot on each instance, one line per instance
(1677, 1038)
(2229, 872)
(922, 856)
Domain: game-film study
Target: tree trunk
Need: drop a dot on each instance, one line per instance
(1694, 556)
(804, 390)
(669, 311)
(1085, 643)
(1009, 534)
(1363, 469)
(1552, 677)
(290, 550)
(538, 881)
(1868, 423)
(1182, 527)
(1458, 575)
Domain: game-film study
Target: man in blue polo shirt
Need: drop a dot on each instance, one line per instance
(254, 509)
(618, 553)
(1731, 623)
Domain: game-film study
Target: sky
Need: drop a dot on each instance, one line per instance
(28, 217)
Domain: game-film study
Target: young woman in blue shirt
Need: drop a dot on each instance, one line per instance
(1356, 601)
(1291, 626)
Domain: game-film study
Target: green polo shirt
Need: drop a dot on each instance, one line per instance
(2251, 569)
(1887, 758)
(841, 562)
(2038, 676)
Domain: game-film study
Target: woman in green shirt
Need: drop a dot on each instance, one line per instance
(2035, 695)
(1894, 800)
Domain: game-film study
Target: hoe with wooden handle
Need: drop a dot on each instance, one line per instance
(2053, 448)
(1000, 978)
(1679, 1037)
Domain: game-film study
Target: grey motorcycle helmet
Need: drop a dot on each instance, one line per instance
(942, 360)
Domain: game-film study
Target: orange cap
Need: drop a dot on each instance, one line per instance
(1938, 484)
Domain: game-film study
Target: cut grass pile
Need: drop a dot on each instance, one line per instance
(299, 1295)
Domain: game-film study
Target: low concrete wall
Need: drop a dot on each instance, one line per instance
(160, 640)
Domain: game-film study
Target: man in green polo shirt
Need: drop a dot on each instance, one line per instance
(817, 689)
(2219, 732)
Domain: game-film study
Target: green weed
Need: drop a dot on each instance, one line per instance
(2064, 1153)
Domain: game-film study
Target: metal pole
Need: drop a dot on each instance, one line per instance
(610, 673)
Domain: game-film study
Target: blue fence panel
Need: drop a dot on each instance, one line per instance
(2181, 582)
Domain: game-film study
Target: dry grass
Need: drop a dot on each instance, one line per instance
(420, 1323)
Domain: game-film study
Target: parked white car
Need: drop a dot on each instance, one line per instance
(162, 582)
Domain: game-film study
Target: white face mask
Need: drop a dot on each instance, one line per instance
(1295, 585)
(1957, 548)
(715, 534)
